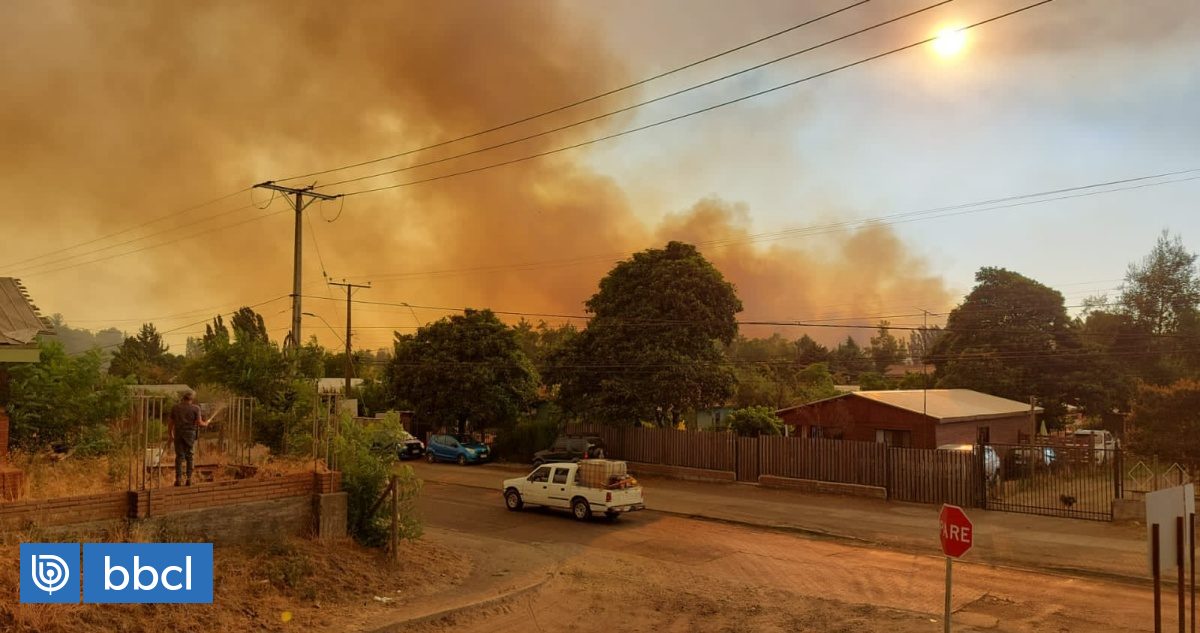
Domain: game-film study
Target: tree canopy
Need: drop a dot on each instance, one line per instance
(652, 349)
(1012, 338)
(462, 369)
(144, 358)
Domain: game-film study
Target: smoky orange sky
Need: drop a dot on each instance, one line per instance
(118, 113)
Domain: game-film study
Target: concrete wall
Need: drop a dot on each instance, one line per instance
(681, 472)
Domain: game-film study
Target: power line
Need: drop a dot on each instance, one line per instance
(993, 204)
(126, 230)
(643, 103)
(158, 245)
(694, 112)
(586, 100)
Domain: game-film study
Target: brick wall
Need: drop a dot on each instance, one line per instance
(229, 509)
(170, 499)
(107, 506)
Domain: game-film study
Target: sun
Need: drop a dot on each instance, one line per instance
(949, 41)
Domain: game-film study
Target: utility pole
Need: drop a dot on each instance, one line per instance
(299, 199)
(349, 290)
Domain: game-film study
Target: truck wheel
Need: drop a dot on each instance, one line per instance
(430, 458)
(512, 500)
(581, 509)
(462, 460)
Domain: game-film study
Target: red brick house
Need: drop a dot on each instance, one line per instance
(913, 418)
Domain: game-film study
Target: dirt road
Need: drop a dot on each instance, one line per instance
(651, 571)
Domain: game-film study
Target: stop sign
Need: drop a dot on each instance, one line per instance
(957, 532)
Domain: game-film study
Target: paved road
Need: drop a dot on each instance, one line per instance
(988, 597)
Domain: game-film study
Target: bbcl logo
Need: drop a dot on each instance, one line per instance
(50, 572)
(117, 572)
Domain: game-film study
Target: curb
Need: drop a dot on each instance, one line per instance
(1052, 570)
(401, 625)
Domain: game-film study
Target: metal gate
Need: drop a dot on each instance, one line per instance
(1064, 480)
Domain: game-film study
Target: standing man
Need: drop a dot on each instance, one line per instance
(182, 428)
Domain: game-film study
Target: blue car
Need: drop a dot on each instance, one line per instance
(461, 449)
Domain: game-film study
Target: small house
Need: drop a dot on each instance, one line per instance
(914, 418)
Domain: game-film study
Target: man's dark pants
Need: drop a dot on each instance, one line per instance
(183, 453)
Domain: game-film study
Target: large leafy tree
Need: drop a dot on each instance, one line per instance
(808, 351)
(1012, 338)
(464, 369)
(1165, 422)
(652, 349)
(145, 359)
(1162, 292)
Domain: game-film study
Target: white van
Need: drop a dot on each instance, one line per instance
(1102, 441)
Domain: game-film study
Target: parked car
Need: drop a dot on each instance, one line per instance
(456, 448)
(1021, 459)
(558, 486)
(1103, 442)
(410, 448)
(991, 461)
(570, 448)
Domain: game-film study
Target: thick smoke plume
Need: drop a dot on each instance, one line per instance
(118, 113)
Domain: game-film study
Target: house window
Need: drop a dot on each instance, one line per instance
(826, 432)
(889, 437)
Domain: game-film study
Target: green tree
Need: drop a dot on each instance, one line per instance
(755, 421)
(849, 360)
(144, 358)
(1162, 292)
(1165, 422)
(921, 342)
(1012, 338)
(63, 399)
(464, 368)
(1161, 300)
(885, 349)
(652, 349)
(809, 351)
(541, 341)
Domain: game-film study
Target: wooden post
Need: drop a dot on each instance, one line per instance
(1157, 573)
(395, 539)
(1192, 555)
(1179, 563)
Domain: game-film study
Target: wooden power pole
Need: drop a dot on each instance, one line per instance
(349, 364)
(299, 199)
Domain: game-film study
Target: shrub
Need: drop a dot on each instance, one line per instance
(755, 421)
(365, 471)
(529, 435)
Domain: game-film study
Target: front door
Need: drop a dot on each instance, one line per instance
(558, 488)
(537, 491)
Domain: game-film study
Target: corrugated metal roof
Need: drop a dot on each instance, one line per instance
(948, 405)
(20, 322)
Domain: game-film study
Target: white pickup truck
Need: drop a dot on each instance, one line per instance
(557, 486)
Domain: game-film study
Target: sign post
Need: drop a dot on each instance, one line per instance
(957, 536)
(1170, 512)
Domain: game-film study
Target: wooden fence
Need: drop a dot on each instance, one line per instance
(919, 475)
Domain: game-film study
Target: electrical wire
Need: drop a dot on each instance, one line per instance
(692, 113)
(580, 102)
(125, 230)
(811, 230)
(642, 103)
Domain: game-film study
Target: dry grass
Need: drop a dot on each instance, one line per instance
(49, 476)
(273, 586)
